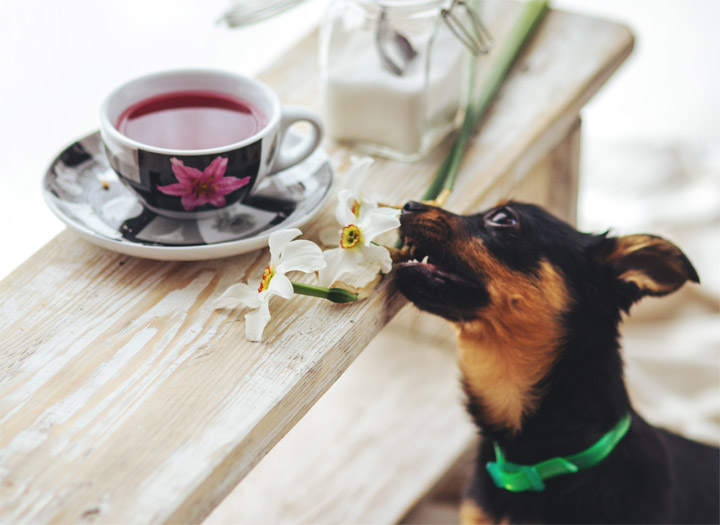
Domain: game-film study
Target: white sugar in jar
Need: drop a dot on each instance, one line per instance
(393, 75)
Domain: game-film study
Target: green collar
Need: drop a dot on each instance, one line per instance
(519, 478)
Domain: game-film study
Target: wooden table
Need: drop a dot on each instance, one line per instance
(124, 397)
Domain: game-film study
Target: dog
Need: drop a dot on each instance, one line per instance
(537, 305)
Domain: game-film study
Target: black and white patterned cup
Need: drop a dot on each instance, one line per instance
(198, 183)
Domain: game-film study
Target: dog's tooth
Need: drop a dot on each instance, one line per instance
(426, 259)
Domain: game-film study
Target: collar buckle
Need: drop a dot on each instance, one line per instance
(515, 478)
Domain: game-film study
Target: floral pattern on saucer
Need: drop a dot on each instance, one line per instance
(86, 194)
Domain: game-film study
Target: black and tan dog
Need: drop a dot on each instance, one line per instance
(537, 306)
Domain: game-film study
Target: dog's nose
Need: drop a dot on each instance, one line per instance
(414, 207)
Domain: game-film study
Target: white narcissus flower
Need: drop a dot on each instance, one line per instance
(356, 177)
(286, 255)
(362, 223)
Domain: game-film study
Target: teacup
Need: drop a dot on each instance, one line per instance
(194, 142)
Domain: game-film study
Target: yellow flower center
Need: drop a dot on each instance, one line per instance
(204, 189)
(350, 236)
(266, 278)
(355, 208)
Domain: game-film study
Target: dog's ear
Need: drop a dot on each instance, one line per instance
(652, 264)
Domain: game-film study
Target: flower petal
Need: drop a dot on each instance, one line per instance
(343, 211)
(339, 262)
(239, 294)
(330, 236)
(177, 189)
(216, 169)
(377, 222)
(366, 206)
(185, 174)
(365, 273)
(277, 242)
(377, 254)
(256, 321)
(190, 201)
(229, 184)
(217, 200)
(280, 285)
(301, 256)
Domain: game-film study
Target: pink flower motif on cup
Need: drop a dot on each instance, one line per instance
(202, 187)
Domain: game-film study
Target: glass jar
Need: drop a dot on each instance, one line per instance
(393, 75)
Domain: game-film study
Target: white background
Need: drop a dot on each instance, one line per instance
(58, 60)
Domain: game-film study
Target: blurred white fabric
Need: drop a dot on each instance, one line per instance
(671, 344)
(651, 164)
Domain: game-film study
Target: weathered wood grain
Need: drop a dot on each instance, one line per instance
(125, 398)
(374, 443)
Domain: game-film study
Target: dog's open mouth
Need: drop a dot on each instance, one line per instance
(436, 282)
(432, 261)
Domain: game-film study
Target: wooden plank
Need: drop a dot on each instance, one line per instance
(112, 401)
(564, 166)
(124, 397)
(379, 439)
(555, 178)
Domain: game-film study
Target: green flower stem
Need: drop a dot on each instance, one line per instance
(531, 16)
(438, 182)
(452, 161)
(336, 295)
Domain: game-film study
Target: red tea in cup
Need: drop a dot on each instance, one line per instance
(191, 143)
(190, 120)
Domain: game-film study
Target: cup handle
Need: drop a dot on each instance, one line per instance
(291, 115)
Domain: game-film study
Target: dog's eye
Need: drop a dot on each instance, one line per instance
(502, 217)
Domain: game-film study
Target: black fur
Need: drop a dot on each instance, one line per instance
(652, 476)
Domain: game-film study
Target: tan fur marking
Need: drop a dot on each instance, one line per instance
(628, 245)
(472, 514)
(644, 282)
(515, 341)
(633, 243)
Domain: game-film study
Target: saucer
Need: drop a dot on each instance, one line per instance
(81, 188)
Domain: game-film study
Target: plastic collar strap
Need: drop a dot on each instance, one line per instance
(520, 478)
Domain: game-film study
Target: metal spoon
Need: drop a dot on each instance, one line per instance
(396, 52)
